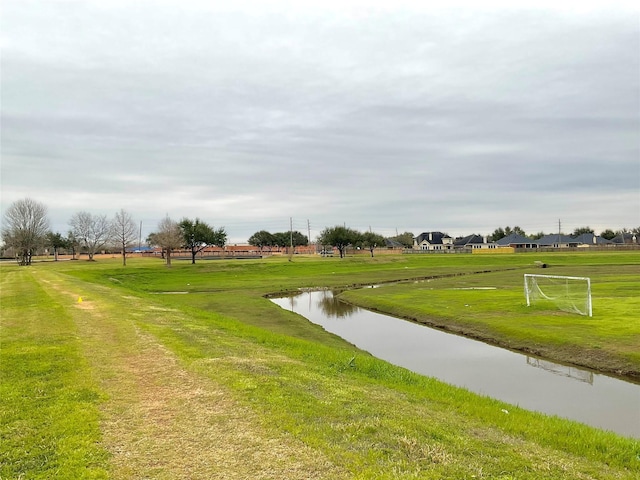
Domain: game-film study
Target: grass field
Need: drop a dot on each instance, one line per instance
(137, 381)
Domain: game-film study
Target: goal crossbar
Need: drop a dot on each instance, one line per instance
(533, 291)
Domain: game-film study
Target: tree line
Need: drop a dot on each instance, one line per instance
(264, 239)
(342, 237)
(26, 229)
(339, 237)
(607, 234)
(194, 235)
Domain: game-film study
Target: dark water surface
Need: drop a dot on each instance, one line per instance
(529, 382)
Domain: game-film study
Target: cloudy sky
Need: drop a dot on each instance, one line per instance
(387, 115)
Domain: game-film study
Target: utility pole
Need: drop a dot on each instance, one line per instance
(559, 230)
(290, 237)
(308, 230)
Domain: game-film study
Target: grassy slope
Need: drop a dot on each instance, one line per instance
(367, 417)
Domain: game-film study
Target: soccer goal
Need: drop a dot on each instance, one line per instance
(570, 294)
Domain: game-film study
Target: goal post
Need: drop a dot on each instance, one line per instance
(570, 294)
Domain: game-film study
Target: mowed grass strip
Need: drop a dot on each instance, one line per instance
(364, 416)
(49, 408)
(160, 420)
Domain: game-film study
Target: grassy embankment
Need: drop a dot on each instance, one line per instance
(106, 372)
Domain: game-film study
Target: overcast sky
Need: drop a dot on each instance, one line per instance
(383, 115)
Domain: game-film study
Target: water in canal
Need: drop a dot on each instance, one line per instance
(529, 382)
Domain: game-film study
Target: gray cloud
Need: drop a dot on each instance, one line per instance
(245, 115)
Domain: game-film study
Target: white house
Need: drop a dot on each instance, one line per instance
(433, 241)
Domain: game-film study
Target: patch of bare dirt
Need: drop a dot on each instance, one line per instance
(174, 424)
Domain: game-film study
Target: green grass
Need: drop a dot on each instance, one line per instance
(49, 407)
(369, 418)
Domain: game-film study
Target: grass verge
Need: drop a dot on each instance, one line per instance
(50, 405)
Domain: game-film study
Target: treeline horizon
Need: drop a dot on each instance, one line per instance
(26, 229)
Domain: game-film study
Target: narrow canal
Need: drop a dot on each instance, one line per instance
(531, 383)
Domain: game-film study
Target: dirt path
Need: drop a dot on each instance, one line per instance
(162, 421)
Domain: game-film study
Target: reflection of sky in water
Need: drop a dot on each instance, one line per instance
(533, 384)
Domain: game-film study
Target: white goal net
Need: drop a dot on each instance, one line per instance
(570, 294)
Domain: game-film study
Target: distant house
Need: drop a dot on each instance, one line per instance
(585, 240)
(556, 240)
(391, 243)
(433, 241)
(625, 239)
(516, 241)
(589, 239)
(472, 242)
(438, 241)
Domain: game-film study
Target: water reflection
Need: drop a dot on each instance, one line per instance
(563, 370)
(529, 382)
(332, 307)
(325, 302)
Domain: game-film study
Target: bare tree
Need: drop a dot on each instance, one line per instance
(25, 228)
(123, 232)
(91, 231)
(168, 237)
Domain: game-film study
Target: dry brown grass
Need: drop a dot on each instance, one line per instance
(162, 421)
